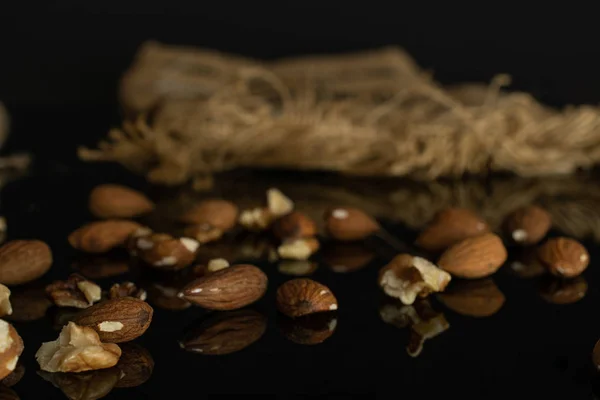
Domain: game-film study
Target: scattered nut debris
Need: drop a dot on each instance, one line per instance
(479, 298)
(407, 277)
(76, 292)
(303, 296)
(298, 249)
(527, 225)
(217, 264)
(127, 289)
(564, 257)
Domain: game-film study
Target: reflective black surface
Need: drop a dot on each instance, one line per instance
(530, 348)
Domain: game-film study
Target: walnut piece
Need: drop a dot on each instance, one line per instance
(126, 289)
(298, 249)
(5, 306)
(11, 347)
(217, 264)
(278, 203)
(407, 277)
(203, 233)
(76, 292)
(77, 349)
(256, 219)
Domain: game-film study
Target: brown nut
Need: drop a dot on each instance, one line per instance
(310, 329)
(5, 306)
(117, 320)
(451, 226)
(126, 289)
(163, 251)
(294, 225)
(475, 257)
(527, 225)
(216, 213)
(344, 257)
(166, 297)
(227, 289)
(203, 233)
(28, 304)
(216, 265)
(7, 393)
(116, 201)
(298, 249)
(89, 385)
(563, 291)
(77, 349)
(22, 261)
(564, 257)
(11, 347)
(297, 267)
(102, 236)
(75, 292)
(480, 298)
(14, 377)
(224, 333)
(304, 296)
(136, 365)
(348, 224)
(99, 267)
(407, 277)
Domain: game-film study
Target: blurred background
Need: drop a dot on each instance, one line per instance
(68, 52)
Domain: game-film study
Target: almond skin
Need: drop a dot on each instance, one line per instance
(116, 201)
(23, 261)
(564, 257)
(304, 296)
(450, 226)
(228, 289)
(475, 257)
(134, 315)
(480, 298)
(347, 224)
(102, 236)
(527, 225)
(294, 225)
(217, 213)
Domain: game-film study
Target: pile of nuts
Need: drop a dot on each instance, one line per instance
(98, 325)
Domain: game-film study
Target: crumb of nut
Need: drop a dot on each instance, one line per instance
(5, 306)
(256, 219)
(77, 349)
(11, 347)
(203, 233)
(298, 249)
(278, 203)
(217, 264)
(407, 277)
(163, 251)
(76, 292)
(126, 289)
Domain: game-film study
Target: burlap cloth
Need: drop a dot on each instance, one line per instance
(193, 112)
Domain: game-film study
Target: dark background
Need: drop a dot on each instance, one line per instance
(71, 52)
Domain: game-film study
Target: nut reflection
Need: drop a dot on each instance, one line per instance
(165, 297)
(101, 266)
(310, 329)
(346, 257)
(62, 316)
(481, 298)
(14, 377)
(297, 267)
(422, 320)
(563, 291)
(90, 385)
(136, 365)
(7, 393)
(527, 264)
(28, 304)
(224, 333)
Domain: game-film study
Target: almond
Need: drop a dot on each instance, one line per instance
(564, 257)
(227, 289)
(23, 261)
(294, 225)
(475, 257)
(117, 320)
(102, 236)
(116, 201)
(480, 298)
(528, 225)
(450, 226)
(224, 333)
(216, 213)
(347, 224)
(11, 347)
(304, 296)
(163, 251)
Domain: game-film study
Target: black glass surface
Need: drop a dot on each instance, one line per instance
(530, 348)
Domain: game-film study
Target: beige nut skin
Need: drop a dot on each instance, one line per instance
(564, 257)
(117, 201)
(475, 257)
(304, 296)
(348, 224)
(527, 225)
(22, 261)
